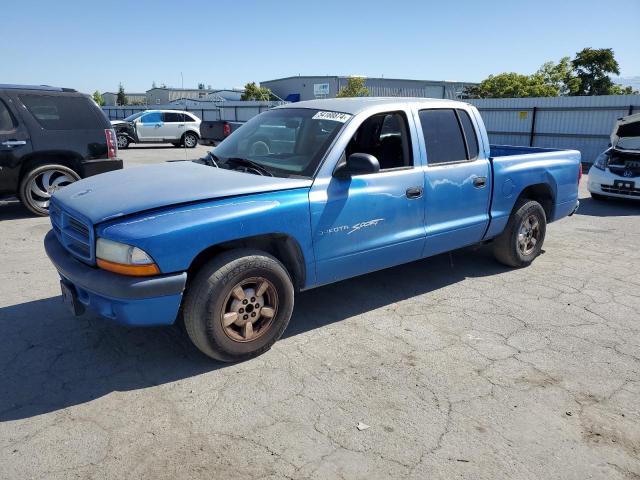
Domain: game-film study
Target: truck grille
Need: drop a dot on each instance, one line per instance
(621, 191)
(74, 234)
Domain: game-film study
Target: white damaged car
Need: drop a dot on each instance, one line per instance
(616, 171)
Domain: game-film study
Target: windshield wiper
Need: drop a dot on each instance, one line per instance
(249, 164)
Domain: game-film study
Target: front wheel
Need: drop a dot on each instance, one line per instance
(123, 141)
(522, 239)
(238, 305)
(190, 140)
(38, 185)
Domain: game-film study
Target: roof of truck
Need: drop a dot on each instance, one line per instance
(359, 104)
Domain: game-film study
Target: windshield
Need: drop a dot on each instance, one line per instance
(131, 118)
(284, 141)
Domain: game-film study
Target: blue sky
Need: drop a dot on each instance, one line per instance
(93, 45)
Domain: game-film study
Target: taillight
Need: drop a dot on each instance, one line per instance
(580, 173)
(112, 145)
(226, 129)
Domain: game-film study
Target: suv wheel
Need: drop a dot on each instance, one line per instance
(38, 185)
(123, 141)
(522, 239)
(190, 140)
(238, 305)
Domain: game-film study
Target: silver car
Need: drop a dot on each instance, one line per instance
(158, 126)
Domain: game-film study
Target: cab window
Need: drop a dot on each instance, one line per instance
(386, 137)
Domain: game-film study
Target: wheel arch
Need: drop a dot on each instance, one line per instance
(283, 247)
(68, 158)
(541, 193)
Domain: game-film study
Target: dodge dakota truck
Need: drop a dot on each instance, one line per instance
(336, 188)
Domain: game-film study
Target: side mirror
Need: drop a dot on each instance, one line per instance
(357, 164)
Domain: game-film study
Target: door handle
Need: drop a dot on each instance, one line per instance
(14, 143)
(480, 182)
(414, 192)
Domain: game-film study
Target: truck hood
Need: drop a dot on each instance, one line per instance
(124, 192)
(626, 133)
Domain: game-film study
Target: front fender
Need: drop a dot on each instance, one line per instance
(174, 236)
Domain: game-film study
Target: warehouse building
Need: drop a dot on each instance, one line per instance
(161, 96)
(294, 89)
(111, 98)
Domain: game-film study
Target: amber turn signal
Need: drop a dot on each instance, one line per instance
(133, 270)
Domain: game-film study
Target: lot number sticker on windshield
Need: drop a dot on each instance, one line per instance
(335, 116)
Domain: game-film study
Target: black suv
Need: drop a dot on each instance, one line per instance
(50, 137)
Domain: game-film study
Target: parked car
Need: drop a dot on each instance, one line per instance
(355, 185)
(213, 132)
(158, 126)
(616, 171)
(49, 138)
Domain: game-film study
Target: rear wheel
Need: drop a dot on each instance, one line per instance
(238, 305)
(190, 140)
(38, 185)
(522, 239)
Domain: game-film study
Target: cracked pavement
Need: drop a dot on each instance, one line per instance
(462, 368)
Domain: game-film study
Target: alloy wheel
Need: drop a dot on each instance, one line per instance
(249, 309)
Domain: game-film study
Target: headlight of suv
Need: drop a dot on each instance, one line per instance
(124, 259)
(602, 161)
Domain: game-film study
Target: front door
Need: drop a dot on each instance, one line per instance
(149, 127)
(369, 222)
(457, 181)
(14, 145)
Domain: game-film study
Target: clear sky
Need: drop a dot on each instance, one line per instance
(92, 45)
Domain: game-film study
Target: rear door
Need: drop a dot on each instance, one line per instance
(14, 144)
(149, 127)
(173, 125)
(457, 180)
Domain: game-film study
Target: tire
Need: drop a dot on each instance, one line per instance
(597, 196)
(212, 298)
(123, 142)
(38, 184)
(190, 140)
(529, 220)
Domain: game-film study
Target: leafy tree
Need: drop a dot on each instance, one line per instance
(254, 92)
(201, 86)
(592, 68)
(560, 76)
(513, 85)
(355, 88)
(121, 98)
(97, 97)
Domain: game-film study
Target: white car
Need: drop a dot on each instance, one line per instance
(158, 126)
(616, 171)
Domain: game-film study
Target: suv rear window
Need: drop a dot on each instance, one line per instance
(61, 112)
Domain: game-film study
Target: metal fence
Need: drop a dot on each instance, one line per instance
(580, 123)
(207, 111)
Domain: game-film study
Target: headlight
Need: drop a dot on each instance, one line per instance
(124, 259)
(602, 161)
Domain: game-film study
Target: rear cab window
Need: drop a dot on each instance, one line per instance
(7, 121)
(62, 112)
(449, 136)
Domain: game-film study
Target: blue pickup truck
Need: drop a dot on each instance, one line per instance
(301, 196)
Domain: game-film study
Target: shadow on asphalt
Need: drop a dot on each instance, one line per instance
(51, 360)
(13, 210)
(609, 207)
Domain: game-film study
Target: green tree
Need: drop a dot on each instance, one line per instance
(97, 97)
(560, 75)
(592, 67)
(201, 86)
(254, 92)
(121, 98)
(355, 88)
(513, 85)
